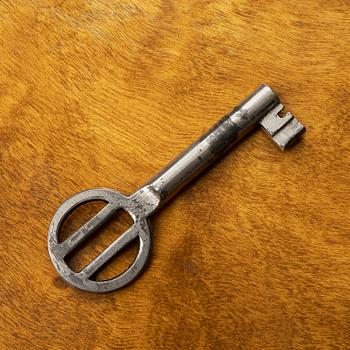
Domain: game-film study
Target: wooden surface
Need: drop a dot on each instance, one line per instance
(256, 253)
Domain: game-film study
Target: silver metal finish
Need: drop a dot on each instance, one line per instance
(262, 106)
(284, 130)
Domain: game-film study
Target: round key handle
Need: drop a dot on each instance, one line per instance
(114, 201)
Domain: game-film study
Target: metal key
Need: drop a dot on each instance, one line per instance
(261, 107)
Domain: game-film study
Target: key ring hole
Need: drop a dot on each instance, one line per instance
(119, 263)
(78, 217)
(94, 245)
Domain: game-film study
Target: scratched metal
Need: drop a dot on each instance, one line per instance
(262, 106)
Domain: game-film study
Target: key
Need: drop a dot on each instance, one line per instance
(261, 107)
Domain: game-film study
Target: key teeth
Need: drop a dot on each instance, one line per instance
(285, 131)
(289, 134)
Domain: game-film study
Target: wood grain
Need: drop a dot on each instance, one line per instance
(256, 253)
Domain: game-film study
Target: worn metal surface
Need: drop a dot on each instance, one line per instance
(284, 130)
(262, 106)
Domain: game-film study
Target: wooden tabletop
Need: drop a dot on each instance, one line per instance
(253, 255)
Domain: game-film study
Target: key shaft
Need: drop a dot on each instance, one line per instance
(214, 143)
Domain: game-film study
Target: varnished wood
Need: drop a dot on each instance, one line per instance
(104, 94)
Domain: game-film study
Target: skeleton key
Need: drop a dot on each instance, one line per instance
(261, 107)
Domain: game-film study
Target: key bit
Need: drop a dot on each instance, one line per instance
(285, 130)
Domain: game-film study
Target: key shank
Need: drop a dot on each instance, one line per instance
(221, 137)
